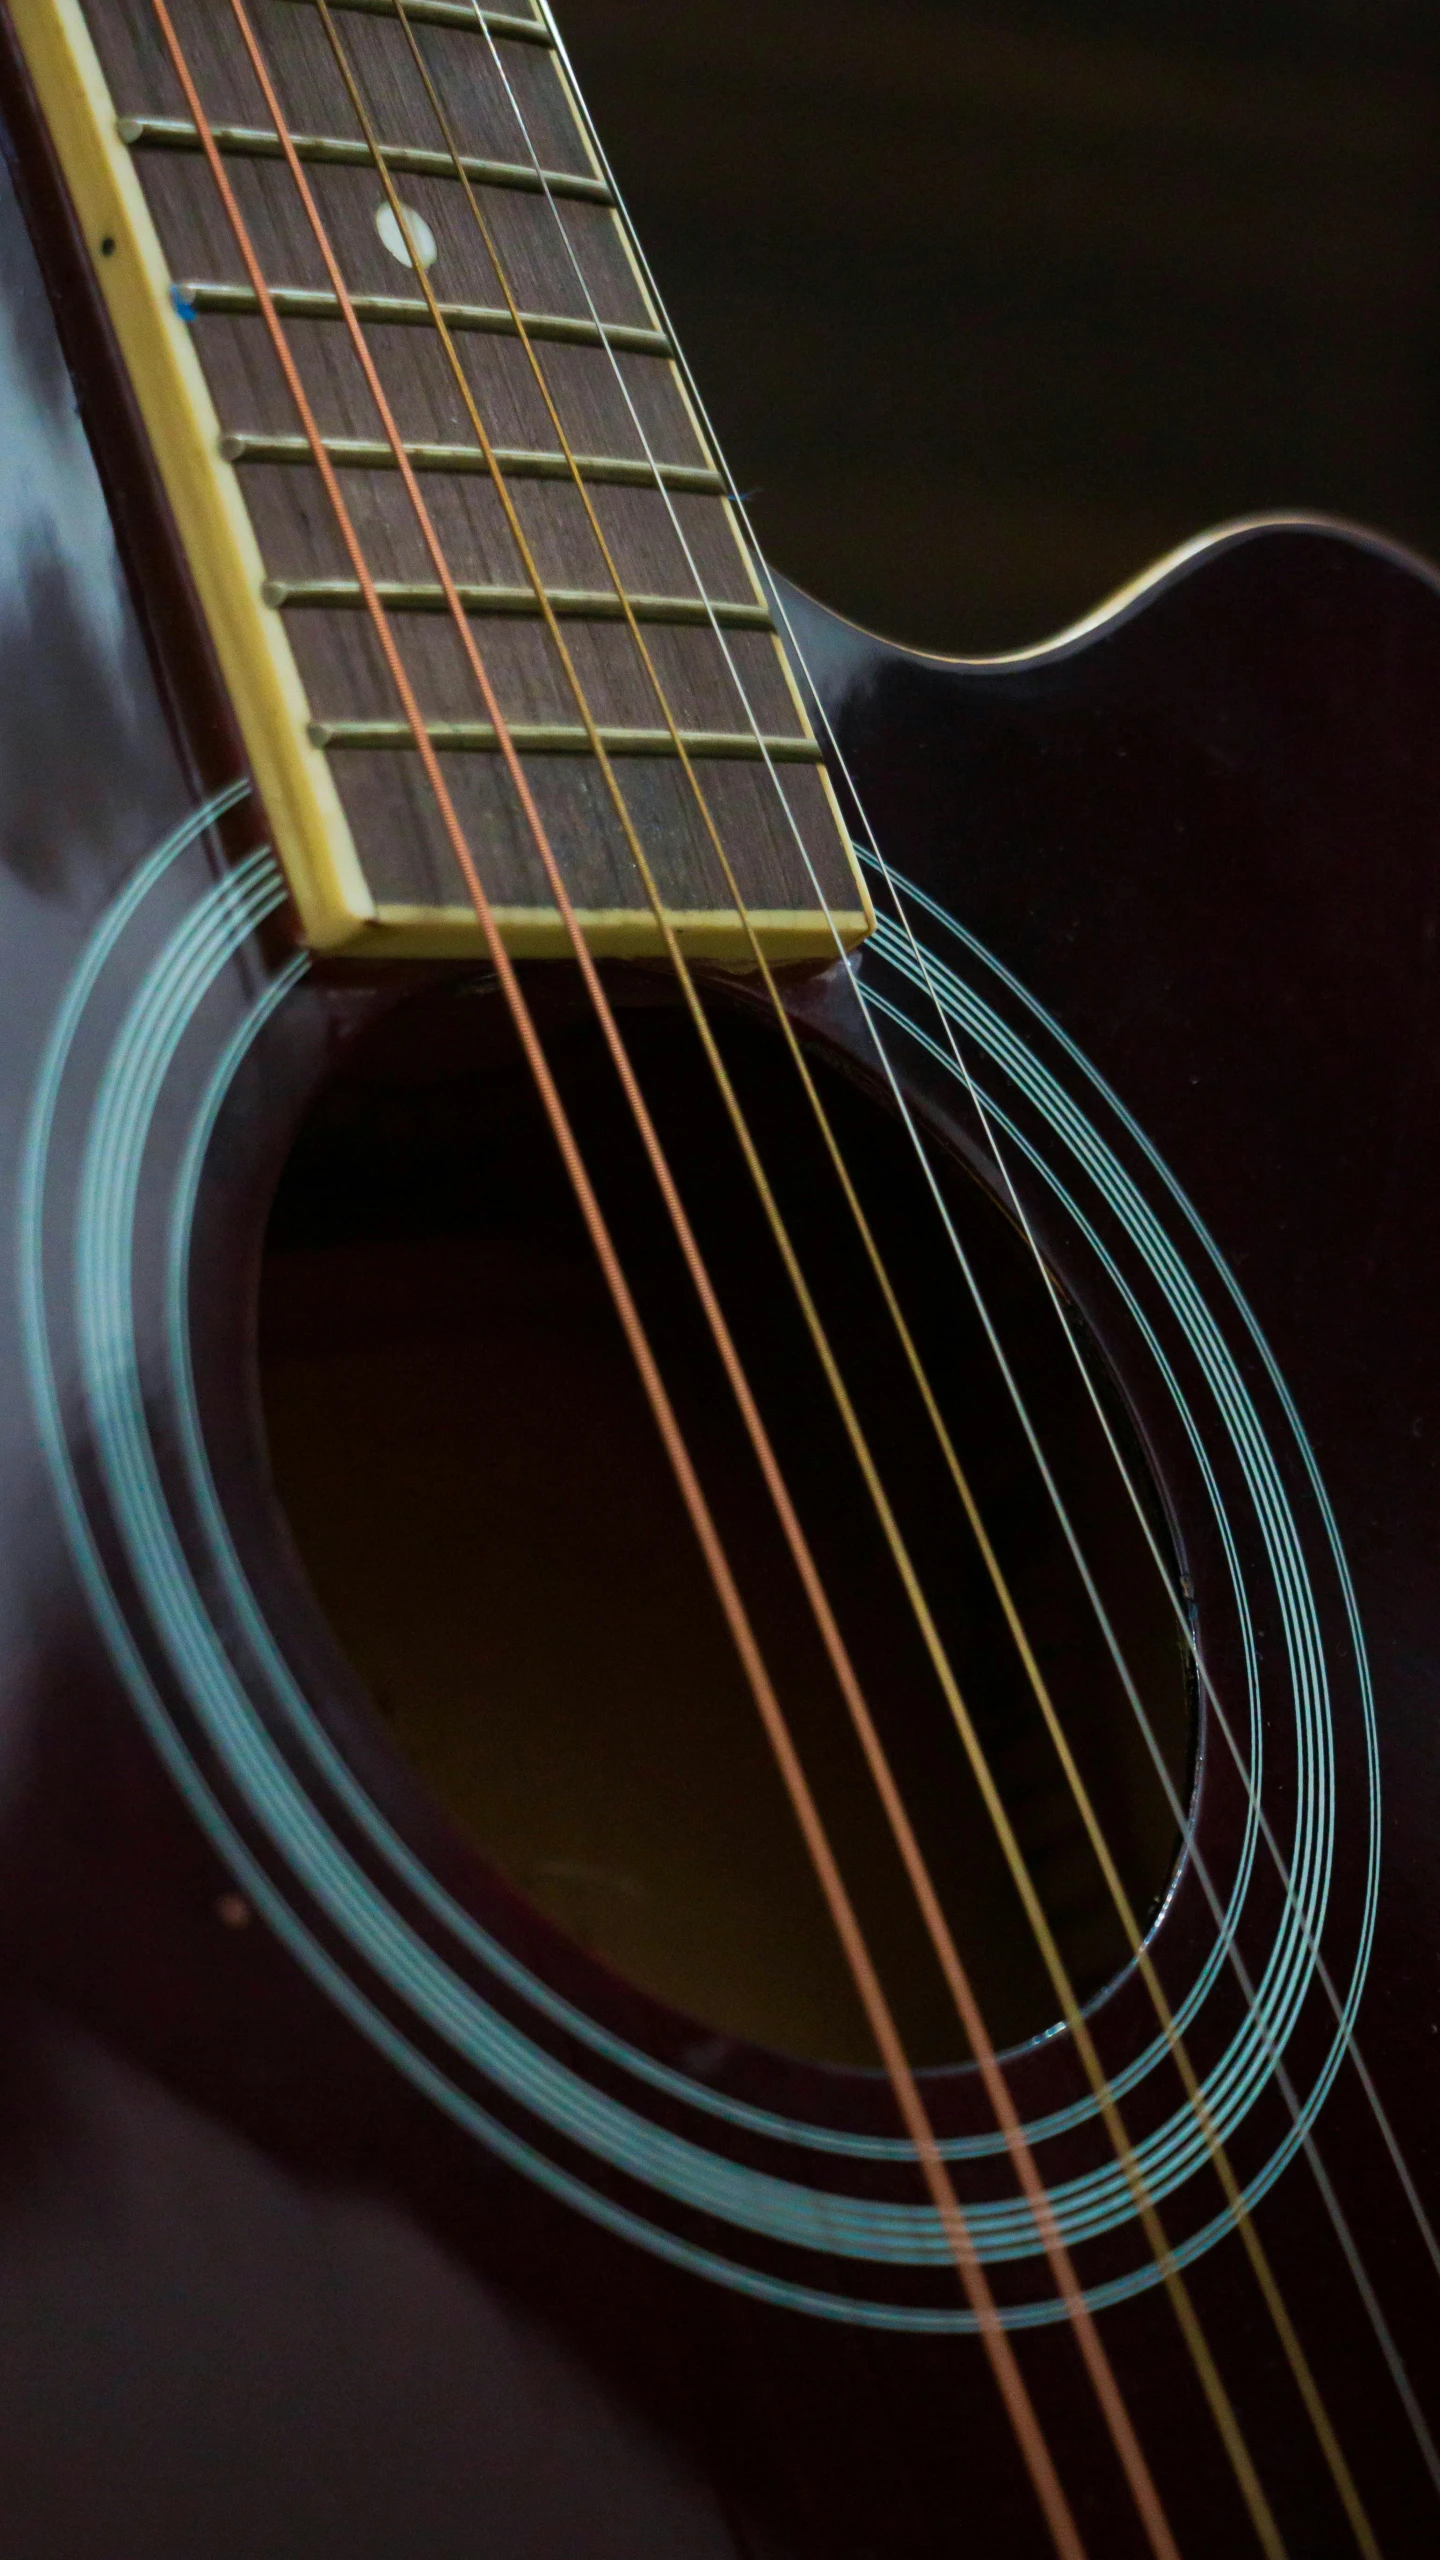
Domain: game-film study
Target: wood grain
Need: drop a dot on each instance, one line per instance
(566, 262)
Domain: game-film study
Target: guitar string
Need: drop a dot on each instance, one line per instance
(1111, 2403)
(1285, 2328)
(1334, 2212)
(1310, 2395)
(921, 957)
(1349, 2039)
(1290, 2342)
(397, 210)
(358, 107)
(1384, 2336)
(1240, 2210)
(1004, 2365)
(1294, 2356)
(1392, 2146)
(275, 110)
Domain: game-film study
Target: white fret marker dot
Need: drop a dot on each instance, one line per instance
(395, 240)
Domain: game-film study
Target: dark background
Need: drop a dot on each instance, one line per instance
(992, 305)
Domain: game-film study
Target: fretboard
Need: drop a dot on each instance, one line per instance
(623, 509)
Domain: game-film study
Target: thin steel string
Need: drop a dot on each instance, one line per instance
(1247, 1988)
(1097, 2361)
(1285, 2328)
(921, 960)
(1334, 2210)
(1295, 2357)
(930, 1909)
(1339, 2221)
(1427, 2231)
(912, 1356)
(1036, 2453)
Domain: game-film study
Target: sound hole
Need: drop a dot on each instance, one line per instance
(479, 1495)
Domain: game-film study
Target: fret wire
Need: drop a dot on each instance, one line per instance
(455, 13)
(576, 604)
(754, 746)
(590, 736)
(558, 738)
(363, 453)
(204, 299)
(259, 142)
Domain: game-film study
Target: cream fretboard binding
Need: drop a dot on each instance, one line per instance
(345, 792)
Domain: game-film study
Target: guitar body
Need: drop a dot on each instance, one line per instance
(346, 2203)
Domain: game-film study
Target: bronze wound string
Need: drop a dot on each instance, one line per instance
(911, 2107)
(1289, 2340)
(1116, 2416)
(1235, 1961)
(1293, 2350)
(1294, 2353)
(522, 332)
(1374, 2312)
(1424, 2225)
(929, 1905)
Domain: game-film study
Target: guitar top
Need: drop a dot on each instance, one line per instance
(719, 1384)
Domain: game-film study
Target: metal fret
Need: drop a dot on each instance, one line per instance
(517, 462)
(366, 851)
(553, 738)
(576, 604)
(258, 142)
(299, 302)
(452, 13)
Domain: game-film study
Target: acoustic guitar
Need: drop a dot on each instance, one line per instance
(720, 1613)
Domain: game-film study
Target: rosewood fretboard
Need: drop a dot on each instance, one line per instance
(353, 813)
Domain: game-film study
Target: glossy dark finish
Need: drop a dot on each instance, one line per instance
(1004, 345)
(261, 2294)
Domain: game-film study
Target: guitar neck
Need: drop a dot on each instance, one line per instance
(394, 216)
